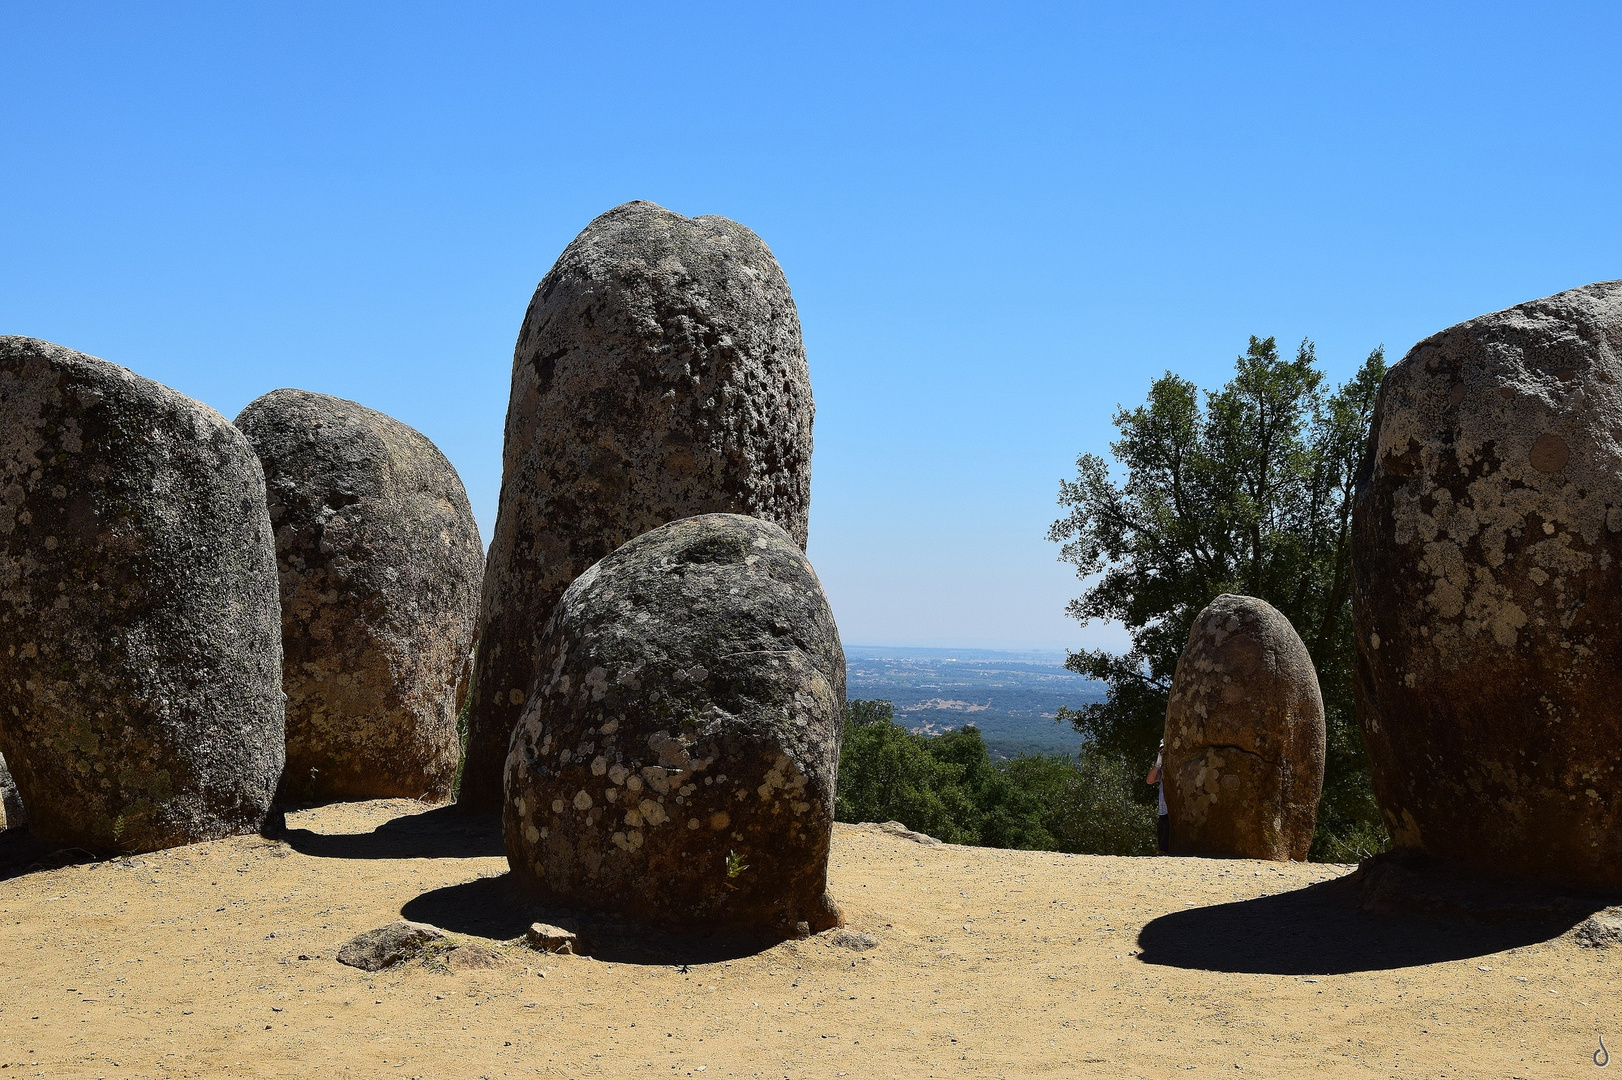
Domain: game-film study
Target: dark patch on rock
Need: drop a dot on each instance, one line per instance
(659, 374)
(389, 945)
(140, 643)
(380, 564)
(1487, 591)
(677, 758)
(12, 813)
(1244, 753)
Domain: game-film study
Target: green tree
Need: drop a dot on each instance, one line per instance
(949, 787)
(886, 773)
(1250, 493)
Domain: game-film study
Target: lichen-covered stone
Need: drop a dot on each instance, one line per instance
(659, 374)
(380, 563)
(12, 813)
(1487, 602)
(140, 630)
(1244, 754)
(676, 760)
(390, 945)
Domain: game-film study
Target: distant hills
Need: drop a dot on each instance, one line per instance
(1010, 696)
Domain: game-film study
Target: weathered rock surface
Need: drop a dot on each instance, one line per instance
(380, 564)
(389, 945)
(12, 813)
(895, 828)
(1487, 602)
(140, 643)
(1244, 757)
(659, 374)
(676, 761)
(1602, 930)
(545, 937)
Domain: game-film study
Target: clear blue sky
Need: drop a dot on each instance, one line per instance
(1000, 221)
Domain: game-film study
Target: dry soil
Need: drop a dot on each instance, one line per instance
(219, 960)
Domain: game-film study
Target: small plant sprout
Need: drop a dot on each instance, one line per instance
(735, 864)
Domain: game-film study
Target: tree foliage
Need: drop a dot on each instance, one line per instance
(1248, 492)
(949, 787)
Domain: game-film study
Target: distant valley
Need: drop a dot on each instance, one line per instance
(1011, 697)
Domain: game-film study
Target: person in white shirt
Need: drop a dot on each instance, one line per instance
(1157, 777)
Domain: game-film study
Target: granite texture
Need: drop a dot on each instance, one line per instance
(140, 644)
(1487, 603)
(1245, 739)
(380, 564)
(677, 760)
(659, 374)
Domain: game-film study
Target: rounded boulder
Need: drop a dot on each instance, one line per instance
(659, 374)
(1487, 591)
(140, 643)
(380, 564)
(676, 761)
(1245, 738)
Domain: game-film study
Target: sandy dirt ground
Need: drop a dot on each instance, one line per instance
(219, 960)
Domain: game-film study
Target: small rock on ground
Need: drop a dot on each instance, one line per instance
(475, 958)
(389, 945)
(854, 940)
(895, 828)
(1603, 930)
(544, 937)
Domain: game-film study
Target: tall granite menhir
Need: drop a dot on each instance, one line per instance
(1245, 739)
(1487, 603)
(380, 563)
(140, 632)
(659, 374)
(677, 760)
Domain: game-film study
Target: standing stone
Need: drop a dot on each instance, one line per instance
(140, 644)
(1487, 602)
(676, 761)
(1244, 757)
(380, 562)
(12, 813)
(659, 374)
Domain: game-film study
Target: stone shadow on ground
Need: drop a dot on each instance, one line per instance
(1324, 929)
(23, 853)
(440, 833)
(491, 908)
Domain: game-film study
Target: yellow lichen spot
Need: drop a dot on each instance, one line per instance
(692, 823)
(557, 806)
(720, 820)
(653, 813)
(532, 833)
(599, 765)
(516, 696)
(582, 801)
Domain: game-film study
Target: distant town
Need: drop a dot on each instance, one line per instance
(1012, 697)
